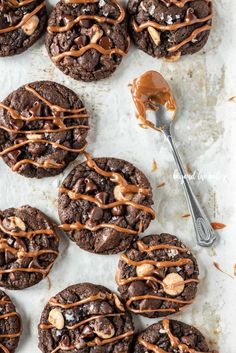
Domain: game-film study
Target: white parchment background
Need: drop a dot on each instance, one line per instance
(206, 133)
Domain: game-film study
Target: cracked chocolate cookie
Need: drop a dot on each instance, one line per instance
(21, 24)
(104, 203)
(170, 336)
(28, 247)
(85, 318)
(43, 127)
(170, 28)
(157, 276)
(87, 39)
(10, 324)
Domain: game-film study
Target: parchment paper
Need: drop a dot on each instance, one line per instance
(205, 130)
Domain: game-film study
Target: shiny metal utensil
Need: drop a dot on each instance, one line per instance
(204, 231)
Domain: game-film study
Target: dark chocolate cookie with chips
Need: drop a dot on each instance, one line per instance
(171, 336)
(85, 318)
(170, 28)
(104, 203)
(87, 39)
(10, 325)
(157, 276)
(21, 24)
(28, 247)
(43, 127)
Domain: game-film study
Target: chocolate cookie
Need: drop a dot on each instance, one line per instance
(157, 276)
(170, 28)
(171, 336)
(85, 318)
(10, 325)
(87, 39)
(43, 127)
(21, 24)
(104, 204)
(28, 247)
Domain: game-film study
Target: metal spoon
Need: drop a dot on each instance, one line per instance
(203, 229)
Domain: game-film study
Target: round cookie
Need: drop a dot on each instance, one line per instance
(170, 28)
(28, 247)
(157, 276)
(21, 24)
(10, 326)
(43, 127)
(87, 39)
(170, 336)
(85, 318)
(104, 203)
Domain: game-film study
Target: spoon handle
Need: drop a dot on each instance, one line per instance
(203, 229)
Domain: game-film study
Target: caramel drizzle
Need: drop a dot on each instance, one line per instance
(99, 19)
(173, 27)
(24, 19)
(5, 301)
(15, 3)
(77, 196)
(21, 254)
(125, 188)
(158, 264)
(78, 53)
(178, 3)
(174, 341)
(97, 341)
(59, 121)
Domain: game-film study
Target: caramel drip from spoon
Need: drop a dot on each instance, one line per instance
(150, 91)
(77, 196)
(24, 19)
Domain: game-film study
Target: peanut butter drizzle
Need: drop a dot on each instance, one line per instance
(148, 92)
(147, 248)
(22, 254)
(191, 37)
(78, 53)
(15, 3)
(79, 226)
(77, 196)
(59, 121)
(99, 19)
(6, 316)
(158, 264)
(24, 19)
(178, 3)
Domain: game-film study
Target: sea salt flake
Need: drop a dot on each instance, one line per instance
(162, 16)
(101, 3)
(162, 330)
(178, 268)
(172, 252)
(152, 10)
(69, 316)
(169, 20)
(194, 40)
(177, 17)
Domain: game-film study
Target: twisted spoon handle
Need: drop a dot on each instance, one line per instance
(203, 229)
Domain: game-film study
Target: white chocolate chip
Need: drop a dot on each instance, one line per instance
(119, 196)
(144, 270)
(118, 303)
(56, 318)
(173, 284)
(98, 33)
(16, 222)
(155, 35)
(30, 26)
(34, 136)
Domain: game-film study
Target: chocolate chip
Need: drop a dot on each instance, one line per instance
(102, 197)
(118, 210)
(13, 155)
(81, 41)
(90, 185)
(87, 332)
(190, 340)
(105, 42)
(36, 109)
(9, 257)
(20, 244)
(65, 341)
(85, 23)
(66, 19)
(34, 264)
(36, 148)
(96, 214)
(189, 268)
(17, 124)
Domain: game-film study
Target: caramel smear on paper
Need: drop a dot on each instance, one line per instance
(154, 166)
(217, 266)
(216, 225)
